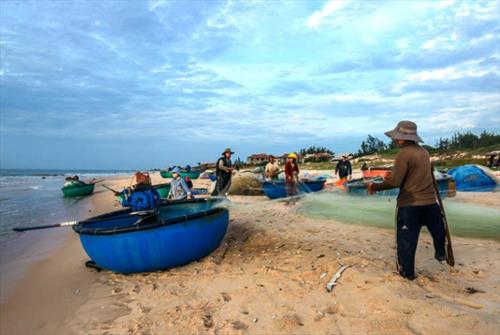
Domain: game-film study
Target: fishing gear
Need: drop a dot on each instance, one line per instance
(450, 258)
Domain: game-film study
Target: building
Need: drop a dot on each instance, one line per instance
(262, 158)
(258, 159)
(318, 157)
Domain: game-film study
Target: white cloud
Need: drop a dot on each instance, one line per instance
(449, 73)
(459, 117)
(328, 9)
(441, 42)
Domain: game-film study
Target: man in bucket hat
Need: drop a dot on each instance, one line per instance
(344, 168)
(416, 202)
(224, 172)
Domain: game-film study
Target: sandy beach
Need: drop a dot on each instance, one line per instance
(267, 277)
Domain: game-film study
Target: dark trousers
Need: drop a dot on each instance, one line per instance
(291, 189)
(223, 185)
(410, 220)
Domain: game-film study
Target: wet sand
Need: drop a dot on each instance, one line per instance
(268, 277)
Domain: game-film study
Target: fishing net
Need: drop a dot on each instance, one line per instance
(463, 218)
(245, 184)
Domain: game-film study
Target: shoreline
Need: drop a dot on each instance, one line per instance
(47, 283)
(267, 276)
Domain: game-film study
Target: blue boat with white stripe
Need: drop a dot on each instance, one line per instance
(277, 189)
(174, 234)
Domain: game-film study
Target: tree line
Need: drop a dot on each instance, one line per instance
(458, 141)
(468, 140)
(315, 150)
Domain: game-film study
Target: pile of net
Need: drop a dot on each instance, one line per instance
(245, 184)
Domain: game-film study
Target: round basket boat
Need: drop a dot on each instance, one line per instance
(277, 189)
(175, 234)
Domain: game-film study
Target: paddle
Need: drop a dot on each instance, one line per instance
(63, 224)
(72, 223)
(97, 181)
(110, 189)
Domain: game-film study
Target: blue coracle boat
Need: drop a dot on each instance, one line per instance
(173, 235)
(277, 189)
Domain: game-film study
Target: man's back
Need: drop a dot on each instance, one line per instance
(412, 173)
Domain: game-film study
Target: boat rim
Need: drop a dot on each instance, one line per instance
(148, 221)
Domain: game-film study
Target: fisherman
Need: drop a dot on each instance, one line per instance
(291, 175)
(142, 195)
(179, 190)
(344, 168)
(272, 169)
(224, 173)
(416, 203)
(71, 181)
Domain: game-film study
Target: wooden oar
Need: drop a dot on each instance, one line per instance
(109, 188)
(63, 224)
(450, 258)
(97, 181)
(72, 223)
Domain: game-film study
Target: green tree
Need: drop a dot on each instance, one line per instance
(372, 145)
(315, 150)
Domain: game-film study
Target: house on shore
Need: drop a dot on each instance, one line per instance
(318, 157)
(262, 158)
(258, 159)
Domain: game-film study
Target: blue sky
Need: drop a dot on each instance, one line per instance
(96, 84)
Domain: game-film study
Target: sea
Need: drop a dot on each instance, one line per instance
(34, 198)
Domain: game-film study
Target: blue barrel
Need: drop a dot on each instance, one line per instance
(277, 189)
(174, 235)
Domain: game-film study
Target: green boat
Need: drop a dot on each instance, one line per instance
(190, 175)
(78, 190)
(163, 189)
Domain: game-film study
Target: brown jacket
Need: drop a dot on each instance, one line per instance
(412, 173)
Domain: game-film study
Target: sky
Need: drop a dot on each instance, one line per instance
(148, 84)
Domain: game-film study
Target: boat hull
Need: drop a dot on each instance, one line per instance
(181, 233)
(377, 172)
(162, 189)
(277, 189)
(78, 191)
(190, 175)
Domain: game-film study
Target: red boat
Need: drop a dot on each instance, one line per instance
(377, 172)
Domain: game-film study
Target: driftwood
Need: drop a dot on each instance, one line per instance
(331, 284)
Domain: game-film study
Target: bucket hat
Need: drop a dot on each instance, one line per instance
(405, 130)
(228, 150)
